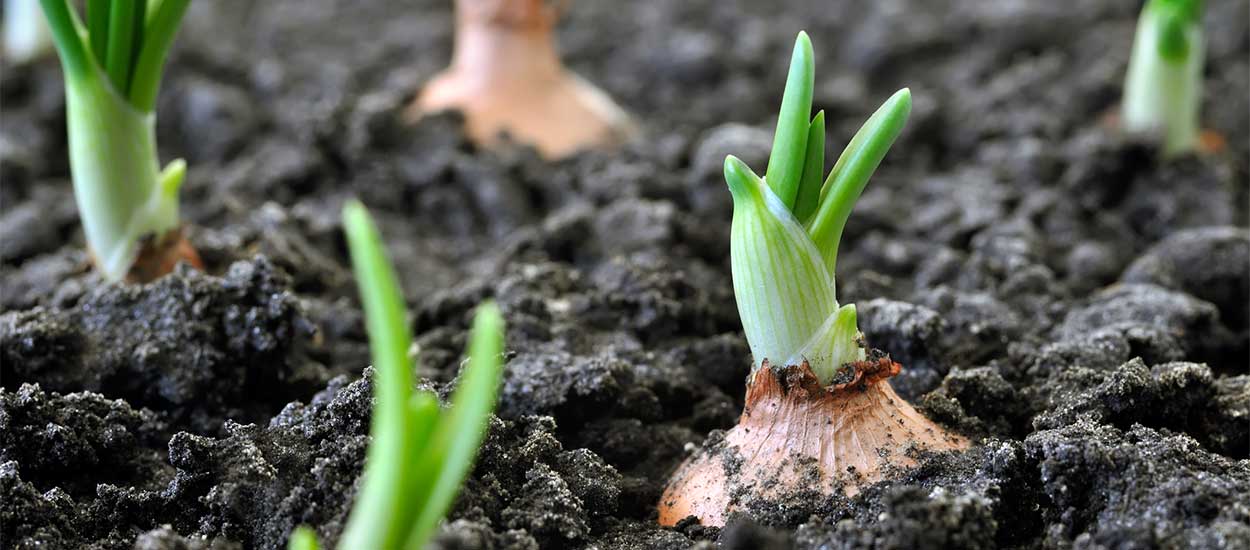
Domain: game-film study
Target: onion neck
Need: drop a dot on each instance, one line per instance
(505, 43)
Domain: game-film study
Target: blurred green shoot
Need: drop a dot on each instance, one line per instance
(419, 454)
(1163, 87)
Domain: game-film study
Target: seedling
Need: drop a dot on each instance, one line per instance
(1163, 88)
(419, 454)
(505, 75)
(113, 67)
(817, 405)
(26, 35)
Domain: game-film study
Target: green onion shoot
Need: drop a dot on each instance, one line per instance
(1163, 87)
(816, 398)
(113, 65)
(419, 454)
(787, 227)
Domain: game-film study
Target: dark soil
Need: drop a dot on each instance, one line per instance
(1075, 304)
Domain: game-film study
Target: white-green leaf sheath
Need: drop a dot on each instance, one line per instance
(785, 293)
(1162, 95)
(121, 194)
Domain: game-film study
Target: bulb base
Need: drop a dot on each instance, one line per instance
(796, 435)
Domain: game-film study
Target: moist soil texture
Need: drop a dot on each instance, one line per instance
(1073, 303)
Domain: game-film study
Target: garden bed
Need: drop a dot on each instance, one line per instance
(1074, 304)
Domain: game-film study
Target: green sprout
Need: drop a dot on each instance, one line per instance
(787, 226)
(419, 455)
(1163, 87)
(113, 68)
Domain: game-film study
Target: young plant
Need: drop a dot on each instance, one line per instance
(113, 66)
(819, 412)
(1163, 87)
(26, 36)
(419, 455)
(505, 75)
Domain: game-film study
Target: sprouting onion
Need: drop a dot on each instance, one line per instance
(1163, 87)
(113, 68)
(787, 226)
(819, 416)
(419, 455)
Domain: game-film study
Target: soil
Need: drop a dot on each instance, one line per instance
(1071, 302)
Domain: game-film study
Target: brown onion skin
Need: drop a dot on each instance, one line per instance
(797, 435)
(506, 76)
(159, 255)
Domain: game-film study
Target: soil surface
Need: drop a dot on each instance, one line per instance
(1071, 302)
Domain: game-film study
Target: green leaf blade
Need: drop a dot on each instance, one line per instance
(852, 171)
(423, 420)
(740, 178)
(461, 430)
(423, 415)
(121, 38)
(162, 25)
(813, 170)
(139, 24)
(74, 53)
(98, 16)
(377, 519)
(1173, 44)
(785, 163)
